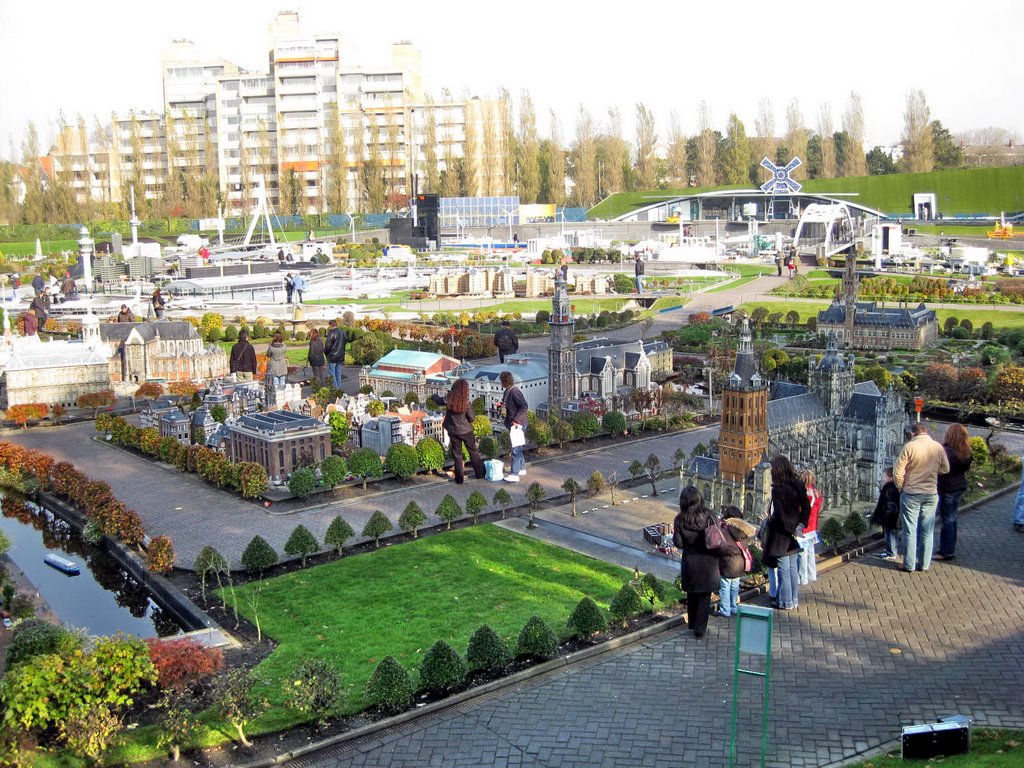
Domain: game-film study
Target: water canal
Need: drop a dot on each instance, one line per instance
(103, 599)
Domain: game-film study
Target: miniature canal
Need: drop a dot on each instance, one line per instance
(102, 599)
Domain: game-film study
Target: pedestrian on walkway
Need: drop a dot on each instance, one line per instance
(952, 486)
(317, 359)
(778, 263)
(506, 341)
(515, 408)
(159, 304)
(638, 272)
(242, 361)
(125, 315)
(807, 537)
(289, 286)
(916, 474)
(790, 510)
(334, 348)
(277, 362)
(732, 563)
(300, 285)
(887, 515)
(458, 424)
(699, 570)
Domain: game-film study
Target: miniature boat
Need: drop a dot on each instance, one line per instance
(62, 564)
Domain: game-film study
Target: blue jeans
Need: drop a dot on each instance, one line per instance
(806, 559)
(639, 283)
(1018, 508)
(891, 539)
(773, 583)
(279, 381)
(518, 461)
(917, 511)
(789, 582)
(334, 371)
(949, 503)
(729, 596)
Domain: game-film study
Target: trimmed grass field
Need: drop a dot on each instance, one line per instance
(398, 601)
(990, 748)
(1000, 318)
(29, 249)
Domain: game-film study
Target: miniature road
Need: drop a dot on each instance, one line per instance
(195, 514)
(869, 650)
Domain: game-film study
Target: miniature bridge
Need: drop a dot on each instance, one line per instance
(829, 225)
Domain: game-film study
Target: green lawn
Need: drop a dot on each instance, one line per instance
(751, 270)
(805, 308)
(734, 284)
(1000, 318)
(990, 748)
(29, 249)
(399, 600)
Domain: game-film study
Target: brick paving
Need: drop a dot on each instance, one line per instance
(870, 649)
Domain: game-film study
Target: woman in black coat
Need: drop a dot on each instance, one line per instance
(790, 509)
(700, 570)
(458, 423)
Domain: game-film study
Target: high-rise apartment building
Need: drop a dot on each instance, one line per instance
(318, 130)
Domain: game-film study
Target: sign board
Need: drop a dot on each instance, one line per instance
(754, 629)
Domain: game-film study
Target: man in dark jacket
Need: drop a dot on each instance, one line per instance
(334, 348)
(638, 271)
(125, 315)
(289, 286)
(514, 404)
(242, 361)
(506, 341)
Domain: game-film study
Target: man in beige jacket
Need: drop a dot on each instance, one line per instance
(916, 474)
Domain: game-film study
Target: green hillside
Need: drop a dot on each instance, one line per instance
(975, 190)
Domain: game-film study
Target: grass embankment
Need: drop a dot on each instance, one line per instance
(990, 748)
(1000, 318)
(47, 246)
(970, 191)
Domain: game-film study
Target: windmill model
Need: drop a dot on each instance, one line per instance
(781, 182)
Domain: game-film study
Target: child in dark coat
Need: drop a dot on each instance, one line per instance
(732, 564)
(887, 515)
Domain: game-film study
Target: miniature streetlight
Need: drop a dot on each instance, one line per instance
(85, 246)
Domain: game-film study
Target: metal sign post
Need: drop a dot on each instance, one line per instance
(753, 637)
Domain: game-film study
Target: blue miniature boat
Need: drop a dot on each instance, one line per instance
(62, 564)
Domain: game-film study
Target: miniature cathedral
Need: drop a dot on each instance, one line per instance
(845, 432)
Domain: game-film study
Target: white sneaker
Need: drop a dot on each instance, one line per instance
(511, 478)
(522, 472)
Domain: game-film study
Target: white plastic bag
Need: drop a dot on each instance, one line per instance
(517, 436)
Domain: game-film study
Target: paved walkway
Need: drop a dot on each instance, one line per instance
(195, 514)
(869, 650)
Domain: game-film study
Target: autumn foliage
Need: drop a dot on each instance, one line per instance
(160, 555)
(26, 412)
(183, 664)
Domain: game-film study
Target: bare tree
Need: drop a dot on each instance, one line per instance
(854, 163)
(471, 150)
(508, 142)
(675, 161)
(918, 153)
(706, 176)
(584, 157)
(613, 161)
(555, 176)
(764, 125)
(828, 142)
(796, 137)
(430, 169)
(646, 141)
(492, 162)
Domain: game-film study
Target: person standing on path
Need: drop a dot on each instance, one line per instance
(638, 272)
(790, 510)
(506, 341)
(778, 263)
(289, 286)
(887, 515)
(317, 359)
(299, 283)
(125, 315)
(334, 349)
(807, 537)
(952, 486)
(514, 405)
(277, 363)
(242, 361)
(699, 569)
(916, 474)
(458, 424)
(732, 563)
(159, 304)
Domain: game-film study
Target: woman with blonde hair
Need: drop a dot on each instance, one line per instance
(807, 538)
(952, 487)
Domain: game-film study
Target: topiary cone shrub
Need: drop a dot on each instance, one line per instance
(855, 525)
(625, 604)
(587, 619)
(442, 669)
(390, 686)
(258, 555)
(537, 639)
(487, 650)
(402, 461)
(832, 532)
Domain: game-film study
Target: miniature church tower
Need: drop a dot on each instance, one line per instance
(561, 355)
(91, 330)
(832, 379)
(850, 293)
(743, 438)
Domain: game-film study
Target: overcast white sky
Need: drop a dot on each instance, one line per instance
(101, 56)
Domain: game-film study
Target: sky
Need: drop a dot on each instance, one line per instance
(103, 56)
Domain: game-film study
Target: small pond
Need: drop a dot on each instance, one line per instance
(103, 599)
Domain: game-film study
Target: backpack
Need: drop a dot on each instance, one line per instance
(505, 340)
(714, 537)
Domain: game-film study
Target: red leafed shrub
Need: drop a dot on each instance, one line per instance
(160, 554)
(181, 664)
(26, 412)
